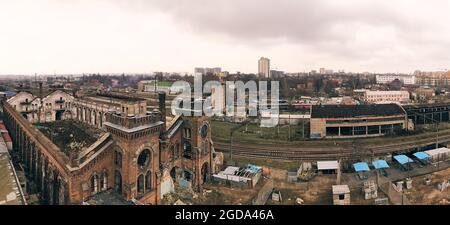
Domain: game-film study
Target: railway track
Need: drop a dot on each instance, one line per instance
(343, 150)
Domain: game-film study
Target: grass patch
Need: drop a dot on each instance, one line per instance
(252, 133)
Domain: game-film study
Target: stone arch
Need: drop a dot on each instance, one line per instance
(100, 118)
(50, 185)
(84, 112)
(55, 189)
(94, 114)
(81, 116)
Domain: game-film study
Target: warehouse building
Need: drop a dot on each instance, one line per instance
(349, 121)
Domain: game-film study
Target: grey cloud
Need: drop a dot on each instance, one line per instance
(389, 28)
(294, 20)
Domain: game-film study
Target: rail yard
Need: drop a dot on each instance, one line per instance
(336, 149)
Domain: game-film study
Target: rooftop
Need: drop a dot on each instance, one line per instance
(108, 198)
(69, 135)
(347, 111)
(340, 189)
(118, 97)
(9, 189)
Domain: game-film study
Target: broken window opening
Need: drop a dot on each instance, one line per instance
(140, 184)
(148, 181)
(144, 158)
(187, 147)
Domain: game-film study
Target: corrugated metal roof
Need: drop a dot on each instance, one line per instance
(361, 166)
(380, 164)
(421, 155)
(403, 159)
(341, 189)
(437, 151)
(327, 165)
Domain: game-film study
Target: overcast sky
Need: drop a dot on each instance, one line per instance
(86, 36)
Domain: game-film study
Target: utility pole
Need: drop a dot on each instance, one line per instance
(289, 125)
(231, 147)
(234, 129)
(303, 129)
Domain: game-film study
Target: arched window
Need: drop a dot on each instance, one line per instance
(94, 183)
(172, 152)
(187, 147)
(177, 152)
(118, 182)
(187, 133)
(104, 181)
(205, 147)
(140, 184)
(100, 117)
(204, 131)
(148, 181)
(144, 158)
(118, 158)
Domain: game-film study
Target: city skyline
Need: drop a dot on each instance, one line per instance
(75, 37)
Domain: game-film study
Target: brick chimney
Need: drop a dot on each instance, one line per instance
(162, 105)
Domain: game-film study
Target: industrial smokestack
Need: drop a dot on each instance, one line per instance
(162, 105)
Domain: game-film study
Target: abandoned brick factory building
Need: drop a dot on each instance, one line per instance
(73, 148)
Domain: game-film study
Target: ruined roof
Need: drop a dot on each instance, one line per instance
(69, 135)
(119, 97)
(348, 111)
(108, 198)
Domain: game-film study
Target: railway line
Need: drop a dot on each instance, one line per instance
(344, 149)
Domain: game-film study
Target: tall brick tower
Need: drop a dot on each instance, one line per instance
(137, 172)
(197, 147)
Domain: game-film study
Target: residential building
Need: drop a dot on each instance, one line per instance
(264, 67)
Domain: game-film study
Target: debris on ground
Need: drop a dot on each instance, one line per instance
(179, 202)
(299, 201)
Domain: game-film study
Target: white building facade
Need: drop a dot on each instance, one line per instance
(388, 78)
(55, 106)
(382, 97)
